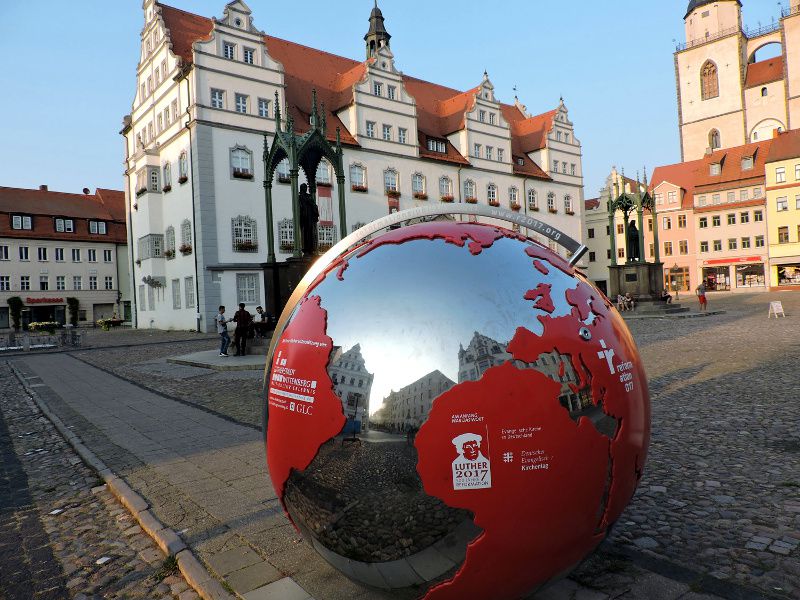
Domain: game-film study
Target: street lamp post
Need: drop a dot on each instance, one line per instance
(675, 270)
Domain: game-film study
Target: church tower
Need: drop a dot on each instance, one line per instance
(710, 70)
(377, 36)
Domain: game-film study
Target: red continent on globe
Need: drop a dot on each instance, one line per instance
(542, 484)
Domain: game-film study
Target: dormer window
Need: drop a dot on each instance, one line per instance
(229, 50)
(715, 169)
(65, 225)
(437, 146)
(747, 163)
(521, 162)
(97, 227)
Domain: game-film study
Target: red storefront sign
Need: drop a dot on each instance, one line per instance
(733, 261)
(44, 301)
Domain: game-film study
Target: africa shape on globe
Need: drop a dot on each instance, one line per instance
(500, 403)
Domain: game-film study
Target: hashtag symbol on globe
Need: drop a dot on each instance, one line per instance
(508, 457)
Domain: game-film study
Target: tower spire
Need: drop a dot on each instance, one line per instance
(377, 36)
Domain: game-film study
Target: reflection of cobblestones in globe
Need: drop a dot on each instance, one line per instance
(509, 413)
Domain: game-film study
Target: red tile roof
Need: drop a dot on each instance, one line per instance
(592, 203)
(764, 72)
(731, 173)
(682, 175)
(440, 110)
(43, 206)
(785, 146)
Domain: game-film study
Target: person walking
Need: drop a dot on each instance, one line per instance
(242, 318)
(222, 330)
(701, 296)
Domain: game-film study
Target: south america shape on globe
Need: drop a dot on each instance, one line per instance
(543, 481)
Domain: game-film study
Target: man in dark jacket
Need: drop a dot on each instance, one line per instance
(242, 318)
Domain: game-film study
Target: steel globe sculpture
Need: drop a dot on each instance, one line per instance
(453, 410)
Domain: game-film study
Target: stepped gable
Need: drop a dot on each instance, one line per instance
(440, 110)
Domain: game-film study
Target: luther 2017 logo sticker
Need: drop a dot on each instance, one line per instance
(471, 469)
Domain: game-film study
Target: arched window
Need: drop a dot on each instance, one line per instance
(241, 163)
(324, 172)
(183, 168)
(709, 81)
(186, 233)
(167, 177)
(169, 243)
(533, 201)
(513, 197)
(764, 91)
(551, 202)
(283, 171)
(469, 190)
(446, 188)
(245, 237)
(358, 178)
(390, 181)
(491, 192)
(418, 184)
(714, 140)
(568, 204)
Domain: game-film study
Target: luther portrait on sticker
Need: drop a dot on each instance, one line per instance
(471, 469)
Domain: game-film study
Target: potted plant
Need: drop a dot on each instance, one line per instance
(283, 178)
(73, 304)
(15, 305)
(447, 198)
(532, 206)
(395, 194)
(358, 188)
(494, 203)
(471, 200)
(183, 179)
(169, 254)
(185, 249)
(46, 326)
(287, 247)
(420, 196)
(515, 206)
(570, 212)
(166, 189)
(242, 174)
(552, 210)
(246, 246)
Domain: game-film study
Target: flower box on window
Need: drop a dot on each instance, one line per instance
(242, 174)
(324, 184)
(494, 203)
(169, 254)
(166, 189)
(420, 195)
(570, 212)
(532, 206)
(245, 246)
(185, 249)
(183, 179)
(471, 200)
(552, 210)
(515, 206)
(393, 194)
(287, 247)
(447, 198)
(284, 179)
(358, 188)
(141, 191)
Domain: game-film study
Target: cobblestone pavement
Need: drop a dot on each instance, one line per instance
(62, 533)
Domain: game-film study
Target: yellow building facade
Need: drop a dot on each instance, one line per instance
(783, 210)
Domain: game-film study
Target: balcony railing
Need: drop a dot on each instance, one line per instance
(788, 12)
(763, 30)
(708, 38)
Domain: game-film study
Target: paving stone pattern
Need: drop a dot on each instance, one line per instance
(62, 533)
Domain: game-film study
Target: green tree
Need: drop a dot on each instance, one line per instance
(15, 305)
(72, 305)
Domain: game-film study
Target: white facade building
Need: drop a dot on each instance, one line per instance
(205, 105)
(352, 383)
(410, 406)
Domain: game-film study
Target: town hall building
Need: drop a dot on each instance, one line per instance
(207, 91)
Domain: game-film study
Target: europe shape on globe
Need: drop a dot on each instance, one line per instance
(454, 412)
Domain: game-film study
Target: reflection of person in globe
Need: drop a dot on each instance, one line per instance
(309, 216)
(471, 468)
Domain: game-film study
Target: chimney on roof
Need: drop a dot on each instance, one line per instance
(776, 132)
(85, 191)
(43, 188)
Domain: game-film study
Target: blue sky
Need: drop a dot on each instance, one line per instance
(68, 70)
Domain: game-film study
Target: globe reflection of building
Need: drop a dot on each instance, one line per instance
(352, 383)
(483, 353)
(409, 407)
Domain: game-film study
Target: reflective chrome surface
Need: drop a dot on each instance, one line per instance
(409, 322)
